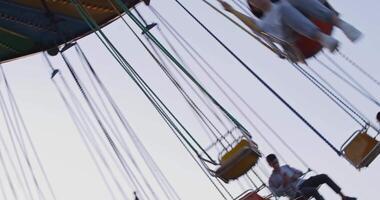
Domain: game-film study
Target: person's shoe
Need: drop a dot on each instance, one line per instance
(350, 31)
(349, 198)
(147, 2)
(329, 42)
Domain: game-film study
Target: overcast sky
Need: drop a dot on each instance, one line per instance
(69, 166)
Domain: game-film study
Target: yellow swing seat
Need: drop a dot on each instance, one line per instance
(238, 160)
(361, 150)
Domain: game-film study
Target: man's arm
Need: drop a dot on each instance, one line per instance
(248, 21)
(289, 175)
(278, 192)
(296, 174)
(276, 187)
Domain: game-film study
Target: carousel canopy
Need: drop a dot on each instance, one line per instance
(30, 26)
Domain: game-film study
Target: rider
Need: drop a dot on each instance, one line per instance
(287, 181)
(282, 17)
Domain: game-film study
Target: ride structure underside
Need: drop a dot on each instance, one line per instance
(31, 26)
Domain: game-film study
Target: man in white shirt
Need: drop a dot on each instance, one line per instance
(287, 181)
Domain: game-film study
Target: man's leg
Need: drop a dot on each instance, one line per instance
(296, 21)
(316, 181)
(308, 192)
(315, 8)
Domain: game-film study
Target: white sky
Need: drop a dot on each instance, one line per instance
(69, 166)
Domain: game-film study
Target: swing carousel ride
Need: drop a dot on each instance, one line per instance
(231, 136)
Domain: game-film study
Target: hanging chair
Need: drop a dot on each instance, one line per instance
(238, 155)
(361, 149)
(254, 194)
(308, 47)
(303, 47)
(238, 160)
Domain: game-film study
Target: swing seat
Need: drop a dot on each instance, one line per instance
(238, 161)
(252, 196)
(307, 47)
(303, 47)
(361, 150)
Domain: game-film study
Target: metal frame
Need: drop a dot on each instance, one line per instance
(288, 50)
(255, 191)
(369, 157)
(207, 162)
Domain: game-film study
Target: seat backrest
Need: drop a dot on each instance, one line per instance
(359, 148)
(242, 144)
(309, 47)
(238, 161)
